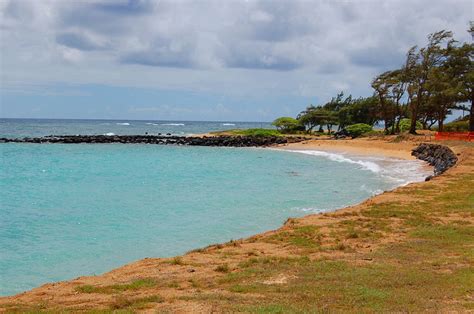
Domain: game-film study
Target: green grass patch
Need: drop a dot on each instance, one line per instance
(253, 132)
(178, 260)
(121, 303)
(307, 237)
(446, 234)
(134, 285)
(224, 268)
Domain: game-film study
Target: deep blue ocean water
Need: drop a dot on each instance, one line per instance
(71, 210)
(44, 127)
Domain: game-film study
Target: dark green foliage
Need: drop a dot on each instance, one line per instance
(358, 129)
(360, 110)
(314, 116)
(434, 80)
(405, 125)
(457, 126)
(257, 132)
(288, 125)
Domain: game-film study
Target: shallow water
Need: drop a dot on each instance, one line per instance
(70, 210)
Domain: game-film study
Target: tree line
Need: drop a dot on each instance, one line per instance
(433, 81)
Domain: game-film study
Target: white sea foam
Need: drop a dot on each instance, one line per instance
(311, 209)
(228, 123)
(367, 165)
(124, 123)
(364, 188)
(109, 134)
(399, 171)
(174, 124)
(317, 210)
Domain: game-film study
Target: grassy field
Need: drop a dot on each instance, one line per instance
(409, 250)
(250, 132)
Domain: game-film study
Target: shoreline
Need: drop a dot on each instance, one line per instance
(363, 147)
(65, 294)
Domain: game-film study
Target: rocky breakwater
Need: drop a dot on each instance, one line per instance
(229, 141)
(438, 156)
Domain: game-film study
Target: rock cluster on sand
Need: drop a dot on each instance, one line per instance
(438, 156)
(233, 141)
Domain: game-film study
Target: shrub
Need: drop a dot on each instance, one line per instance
(222, 268)
(258, 132)
(288, 125)
(405, 125)
(358, 129)
(456, 126)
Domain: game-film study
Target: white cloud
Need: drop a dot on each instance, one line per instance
(302, 47)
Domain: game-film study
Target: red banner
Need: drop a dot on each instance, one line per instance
(456, 136)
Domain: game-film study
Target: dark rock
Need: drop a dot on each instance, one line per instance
(440, 157)
(230, 141)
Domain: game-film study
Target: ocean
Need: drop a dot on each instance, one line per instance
(72, 210)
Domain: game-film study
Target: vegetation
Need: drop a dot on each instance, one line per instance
(427, 268)
(356, 130)
(460, 125)
(134, 285)
(406, 123)
(255, 132)
(433, 81)
(288, 125)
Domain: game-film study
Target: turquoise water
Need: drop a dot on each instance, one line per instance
(70, 210)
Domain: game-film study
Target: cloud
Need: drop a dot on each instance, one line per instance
(81, 41)
(245, 48)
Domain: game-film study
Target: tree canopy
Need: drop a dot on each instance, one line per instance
(433, 81)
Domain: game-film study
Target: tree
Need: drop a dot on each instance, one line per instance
(382, 85)
(460, 69)
(443, 94)
(360, 110)
(314, 116)
(420, 65)
(309, 118)
(398, 81)
(433, 81)
(287, 124)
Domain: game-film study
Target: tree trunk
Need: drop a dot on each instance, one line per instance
(414, 112)
(441, 125)
(397, 126)
(471, 115)
(413, 117)
(329, 127)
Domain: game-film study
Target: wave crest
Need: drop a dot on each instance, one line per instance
(396, 170)
(367, 165)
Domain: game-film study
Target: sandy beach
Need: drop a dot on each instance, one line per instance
(270, 266)
(368, 147)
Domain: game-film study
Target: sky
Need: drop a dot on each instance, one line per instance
(204, 60)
